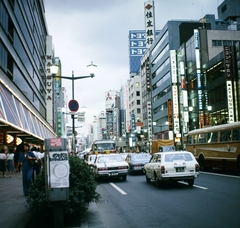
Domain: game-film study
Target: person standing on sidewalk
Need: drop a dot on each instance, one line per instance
(27, 159)
(10, 163)
(3, 157)
(16, 157)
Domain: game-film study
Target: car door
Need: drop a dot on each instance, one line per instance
(149, 168)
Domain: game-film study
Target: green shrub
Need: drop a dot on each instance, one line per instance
(82, 191)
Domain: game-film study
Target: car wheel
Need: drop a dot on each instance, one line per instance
(148, 179)
(157, 181)
(190, 182)
(202, 163)
(129, 171)
(124, 178)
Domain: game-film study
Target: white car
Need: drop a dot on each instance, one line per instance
(175, 165)
(91, 159)
(110, 165)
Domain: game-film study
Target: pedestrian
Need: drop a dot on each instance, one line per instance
(3, 158)
(5, 149)
(16, 158)
(10, 163)
(36, 168)
(26, 158)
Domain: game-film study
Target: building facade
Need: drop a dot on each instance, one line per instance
(23, 73)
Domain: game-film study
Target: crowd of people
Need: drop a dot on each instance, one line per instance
(23, 160)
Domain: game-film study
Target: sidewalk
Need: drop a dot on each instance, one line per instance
(13, 203)
(14, 212)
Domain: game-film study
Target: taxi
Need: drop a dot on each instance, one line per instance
(172, 166)
(110, 166)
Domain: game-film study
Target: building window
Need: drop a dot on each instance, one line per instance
(138, 102)
(138, 93)
(138, 111)
(216, 43)
(137, 84)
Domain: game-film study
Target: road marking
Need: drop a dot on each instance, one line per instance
(196, 186)
(119, 189)
(219, 174)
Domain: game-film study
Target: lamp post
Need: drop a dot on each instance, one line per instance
(54, 70)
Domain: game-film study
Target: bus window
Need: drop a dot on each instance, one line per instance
(202, 138)
(236, 133)
(213, 137)
(225, 136)
(194, 139)
(189, 139)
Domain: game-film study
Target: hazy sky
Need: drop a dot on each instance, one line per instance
(97, 30)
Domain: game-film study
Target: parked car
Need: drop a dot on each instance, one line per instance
(110, 165)
(136, 162)
(172, 166)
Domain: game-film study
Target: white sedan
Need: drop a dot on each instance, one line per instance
(110, 165)
(175, 165)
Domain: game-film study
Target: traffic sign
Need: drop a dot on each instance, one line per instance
(73, 105)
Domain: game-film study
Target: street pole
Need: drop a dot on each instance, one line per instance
(54, 70)
(73, 118)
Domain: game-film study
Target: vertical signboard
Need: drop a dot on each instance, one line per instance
(227, 62)
(59, 122)
(149, 117)
(149, 22)
(175, 107)
(198, 68)
(133, 124)
(49, 82)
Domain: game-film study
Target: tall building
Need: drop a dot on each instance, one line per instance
(188, 65)
(23, 73)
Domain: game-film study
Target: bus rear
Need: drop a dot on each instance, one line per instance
(103, 147)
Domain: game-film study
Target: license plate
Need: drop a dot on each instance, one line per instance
(113, 174)
(180, 169)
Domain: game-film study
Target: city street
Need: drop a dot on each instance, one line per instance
(213, 201)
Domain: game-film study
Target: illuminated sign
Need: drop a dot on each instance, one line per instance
(173, 66)
(227, 58)
(230, 102)
(133, 124)
(176, 123)
(149, 117)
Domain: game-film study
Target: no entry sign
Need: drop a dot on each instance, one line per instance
(73, 105)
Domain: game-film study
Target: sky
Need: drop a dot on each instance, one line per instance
(97, 30)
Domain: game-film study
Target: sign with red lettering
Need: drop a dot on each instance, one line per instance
(56, 142)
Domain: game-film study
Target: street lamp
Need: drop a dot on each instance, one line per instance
(54, 70)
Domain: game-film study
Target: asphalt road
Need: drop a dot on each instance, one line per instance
(213, 201)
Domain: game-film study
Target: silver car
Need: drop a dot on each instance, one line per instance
(109, 166)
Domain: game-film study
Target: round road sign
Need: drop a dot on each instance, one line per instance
(73, 105)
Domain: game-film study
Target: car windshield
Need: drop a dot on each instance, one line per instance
(105, 146)
(140, 157)
(110, 158)
(179, 156)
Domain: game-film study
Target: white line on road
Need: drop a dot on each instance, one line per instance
(196, 186)
(219, 174)
(119, 189)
